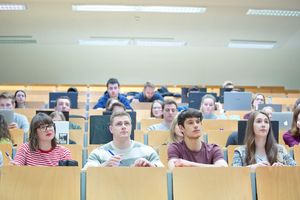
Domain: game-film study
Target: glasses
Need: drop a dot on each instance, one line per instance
(46, 127)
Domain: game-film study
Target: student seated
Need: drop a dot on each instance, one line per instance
(122, 151)
(169, 113)
(292, 136)
(148, 94)
(42, 148)
(192, 152)
(113, 91)
(156, 109)
(20, 99)
(59, 116)
(175, 133)
(260, 147)
(5, 137)
(208, 107)
(257, 99)
(63, 104)
(20, 121)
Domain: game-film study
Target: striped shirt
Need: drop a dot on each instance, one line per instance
(41, 158)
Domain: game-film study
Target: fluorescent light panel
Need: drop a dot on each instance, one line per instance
(266, 12)
(105, 42)
(248, 44)
(159, 43)
(12, 6)
(132, 42)
(126, 8)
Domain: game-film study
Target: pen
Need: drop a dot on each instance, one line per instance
(7, 154)
(112, 153)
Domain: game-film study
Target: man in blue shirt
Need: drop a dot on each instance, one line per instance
(113, 89)
(148, 94)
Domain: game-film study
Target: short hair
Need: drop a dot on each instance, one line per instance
(108, 103)
(150, 85)
(7, 95)
(118, 114)
(72, 89)
(189, 113)
(63, 97)
(112, 81)
(58, 114)
(194, 88)
(38, 120)
(227, 83)
(117, 104)
(169, 102)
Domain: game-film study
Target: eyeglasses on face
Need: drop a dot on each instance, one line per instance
(46, 127)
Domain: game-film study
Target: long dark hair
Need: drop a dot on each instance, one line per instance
(4, 131)
(270, 146)
(38, 120)
(295, 129)
(15, 97)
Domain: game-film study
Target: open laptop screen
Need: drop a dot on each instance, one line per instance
(53, 96)
(237, 100)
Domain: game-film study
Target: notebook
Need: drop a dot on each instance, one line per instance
(285, 119)
(62, 132)
(223, 90)
(276, 107)
(242, 125)
(53, 96)
(237, 100)
(195, 99)
(8, 115)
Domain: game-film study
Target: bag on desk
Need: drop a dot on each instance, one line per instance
(67, 163)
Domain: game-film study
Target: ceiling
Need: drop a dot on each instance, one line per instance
(57, 30)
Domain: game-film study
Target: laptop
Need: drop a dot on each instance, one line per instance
(53, 96)
(195, 99)
(285, 119)
(62, 132)
(48, 112)
(8, 115)
(237, 101)
(276, 107)
(223, 90)
(184, 92)
(242, 125)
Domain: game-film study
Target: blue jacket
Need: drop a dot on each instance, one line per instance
(140, 96)
(102, 101)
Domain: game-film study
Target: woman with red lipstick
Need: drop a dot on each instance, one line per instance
(42, 149)
(260, 147)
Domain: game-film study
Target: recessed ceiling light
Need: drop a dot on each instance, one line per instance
(126, 8)
(12, 6)
(251, 44)
(266, 12)
(105, 42)
(158, 42)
